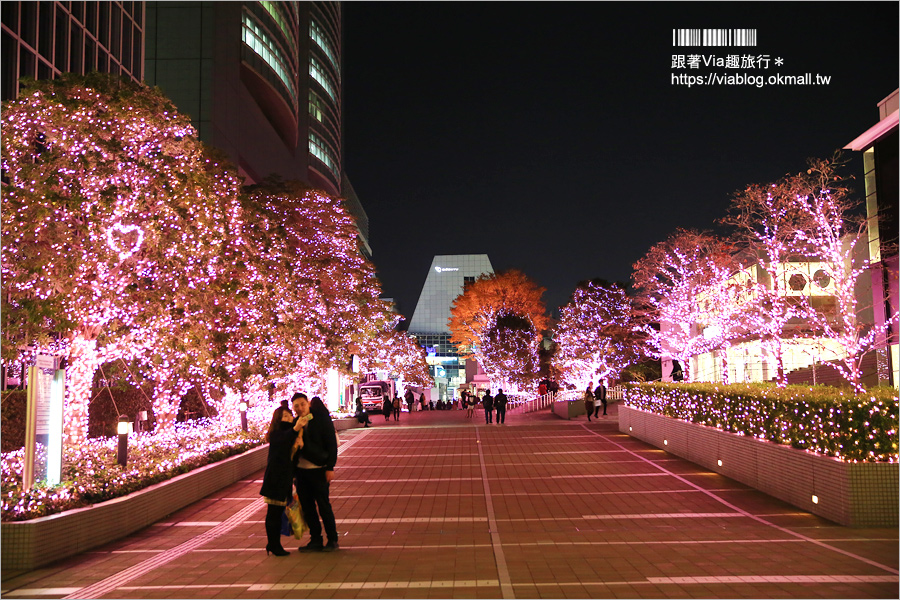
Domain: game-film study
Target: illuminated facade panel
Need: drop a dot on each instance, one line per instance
(443, 284)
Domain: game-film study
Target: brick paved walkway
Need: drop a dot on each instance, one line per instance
(438, 506)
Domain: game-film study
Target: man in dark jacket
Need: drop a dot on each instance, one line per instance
(314, 471)
(488, 402)
(500, 401)
(599, 398)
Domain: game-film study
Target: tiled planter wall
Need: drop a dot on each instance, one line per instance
(853, 494)
(569, 408)
(27, 545)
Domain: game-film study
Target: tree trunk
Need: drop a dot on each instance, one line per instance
(725, 365)
(83, 363)
(165, 406)
(228, 408)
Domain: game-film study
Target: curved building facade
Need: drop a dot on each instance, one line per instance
(260, 80)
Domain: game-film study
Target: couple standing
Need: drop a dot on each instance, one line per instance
(302, 450)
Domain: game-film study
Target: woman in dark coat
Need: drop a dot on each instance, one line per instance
(361, 415)
(277, 487)
(387, 408)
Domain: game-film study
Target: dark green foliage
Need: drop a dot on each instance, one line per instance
(820, 419)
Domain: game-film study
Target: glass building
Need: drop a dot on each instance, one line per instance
(262, 82)
(445, 281)
(41, 40)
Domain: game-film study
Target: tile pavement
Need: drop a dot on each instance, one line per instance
(438, 506)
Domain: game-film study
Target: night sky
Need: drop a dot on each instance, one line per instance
(550, 135)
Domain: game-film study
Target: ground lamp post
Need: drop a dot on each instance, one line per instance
(242, 406)
(123, 428)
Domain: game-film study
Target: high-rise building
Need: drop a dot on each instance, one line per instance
(41, 40)
(445, 281)
(879, 147)
(262, 82)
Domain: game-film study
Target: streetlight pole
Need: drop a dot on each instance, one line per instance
(123, 427)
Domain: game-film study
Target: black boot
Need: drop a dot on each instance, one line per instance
(273, 531)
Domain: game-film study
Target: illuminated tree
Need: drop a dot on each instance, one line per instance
(769, 221)
(500, 319)
(108, 190)
(400, 355)
(669, 279)
(598, 334)
(509, 352)
(329, 299)
(834, 234)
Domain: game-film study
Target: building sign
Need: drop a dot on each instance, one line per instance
(44, 423)
(446, 269)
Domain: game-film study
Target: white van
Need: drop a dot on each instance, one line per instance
(373, 394)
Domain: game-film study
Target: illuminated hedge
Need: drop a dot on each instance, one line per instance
(90, 473)
(820, 419)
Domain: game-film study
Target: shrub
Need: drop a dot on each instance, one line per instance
(820, 419)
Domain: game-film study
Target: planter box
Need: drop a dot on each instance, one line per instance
(28, 545)
(346, 423)
(569, 408)
(852, 494)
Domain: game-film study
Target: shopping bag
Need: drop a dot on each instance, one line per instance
(292, 522)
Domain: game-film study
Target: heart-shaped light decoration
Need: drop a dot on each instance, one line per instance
(115, 238)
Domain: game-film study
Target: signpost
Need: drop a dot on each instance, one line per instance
(44, 422)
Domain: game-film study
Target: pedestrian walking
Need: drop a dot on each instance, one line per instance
(396, 408)
(279, 476)
(588, 401)
(314, 463)
(410, 400)
(488, 402)
(387, 407)
(500, 401)
(471, 401)
(600, 396)
(361, 414)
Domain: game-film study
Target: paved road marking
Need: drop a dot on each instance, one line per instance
(526, 544)
(500, 558)
(681, 478)
(406, 479)
(776, 579)
(665, 516)
(375, 585)
(416, 455)
(475, 583)
(41, 591)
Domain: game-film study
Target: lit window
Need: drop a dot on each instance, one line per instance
(318, 36)
(257, 40)
(316, 107)
(320, 150)
(317, 73)
(276, 15)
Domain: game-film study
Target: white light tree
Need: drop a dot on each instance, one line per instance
(833, 233)
(107, 189)
(598, 334)
(399, 354)
(669, 280)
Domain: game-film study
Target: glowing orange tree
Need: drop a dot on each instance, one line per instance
(500, 319)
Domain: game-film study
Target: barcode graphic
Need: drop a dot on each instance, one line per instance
(713, 37)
